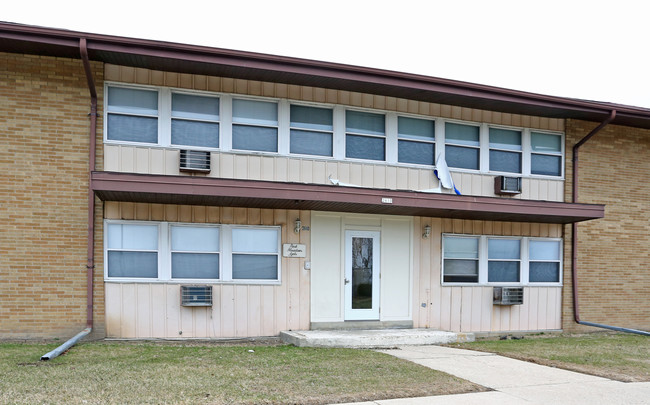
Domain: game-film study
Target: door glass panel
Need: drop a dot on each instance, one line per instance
(361, 273)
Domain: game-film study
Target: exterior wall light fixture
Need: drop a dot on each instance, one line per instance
(427, 232)
(298, 224)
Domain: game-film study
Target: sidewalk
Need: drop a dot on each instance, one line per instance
(515, 381)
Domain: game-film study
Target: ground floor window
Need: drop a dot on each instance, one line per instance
(470, 259)
(165, 251)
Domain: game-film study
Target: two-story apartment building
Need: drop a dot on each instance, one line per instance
(158, 190)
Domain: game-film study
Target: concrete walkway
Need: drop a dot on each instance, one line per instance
(515, 381)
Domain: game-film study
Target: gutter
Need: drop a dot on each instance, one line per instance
(574, 242)
(90, 266)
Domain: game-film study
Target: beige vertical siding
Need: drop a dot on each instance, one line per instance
(131, 159)
(470, 308)
(153, 310)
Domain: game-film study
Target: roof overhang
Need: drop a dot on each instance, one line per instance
(191, 190)
(203, 60)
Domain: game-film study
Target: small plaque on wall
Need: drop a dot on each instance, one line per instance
(294, 250)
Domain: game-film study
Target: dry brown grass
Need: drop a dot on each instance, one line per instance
(137, 373)
(622, 357)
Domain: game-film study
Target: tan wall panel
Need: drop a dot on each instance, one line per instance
(152, 310)
(130, 159)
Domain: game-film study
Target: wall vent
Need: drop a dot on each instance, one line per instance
(194, 161)
(504, 185)
(508, 295)
(196, 295)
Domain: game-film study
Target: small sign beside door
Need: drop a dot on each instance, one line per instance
(294, 250)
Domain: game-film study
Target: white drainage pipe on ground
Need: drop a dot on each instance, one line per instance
(61, 349)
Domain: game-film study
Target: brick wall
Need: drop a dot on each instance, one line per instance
(614, 252)
(44, 127)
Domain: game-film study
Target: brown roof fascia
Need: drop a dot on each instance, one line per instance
(231, 63)
(193, 190)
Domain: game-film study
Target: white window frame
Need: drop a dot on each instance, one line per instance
(483, 261)
(339, 133)
(107, 113)
(165, 254)
(520, 152)
(281, 109)
(559, 154)
(398, 138)
(488, 260)
(168, 227)
(171, 118)
(290, 128)
(384, 136)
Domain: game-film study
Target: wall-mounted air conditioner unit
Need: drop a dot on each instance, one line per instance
(194, 161)
(508, 295)
(196, 295)
(504, 185)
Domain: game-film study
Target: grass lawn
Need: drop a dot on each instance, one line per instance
(623, 357)
(136, 373)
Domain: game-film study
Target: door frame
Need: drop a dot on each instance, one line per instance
(373, 313)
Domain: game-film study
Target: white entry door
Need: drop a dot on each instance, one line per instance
(361, 275)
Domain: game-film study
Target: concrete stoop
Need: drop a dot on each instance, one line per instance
(369, 339)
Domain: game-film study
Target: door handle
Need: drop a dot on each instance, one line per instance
(346, 281)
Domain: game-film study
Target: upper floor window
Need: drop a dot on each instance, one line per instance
(505, 150)
(416, 141)
(365, 135)
(462, 146)
(546, 156)
(195, 120)
(132, 115)
(254, 125)
(311, 131)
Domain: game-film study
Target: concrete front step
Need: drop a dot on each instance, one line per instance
(368, 339)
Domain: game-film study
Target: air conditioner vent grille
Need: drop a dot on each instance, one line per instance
(508, 295)
(196, 296)
(194, 161)
(504, 185)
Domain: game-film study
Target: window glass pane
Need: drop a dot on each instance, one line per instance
(461, 248)
(544, 272)
(133, 101)
(195, 239)
(364, 123)
(544, 250)
(413, 128)
(416, 152)
(132, 129)
(461, 134)
(505, 139)
(460, 271)
(365, 147)
(465, 158)
(195, 133)
(546, 165)
(254, 138)
(311, 143)
(133, 264)
(545, 142)
(195, 265)
(503, 272)
(197, 107)
(505, 161)
(504, 248)
(311, 118)
(135, 237)
(255, 240)
(254, 112)
(254, 267)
